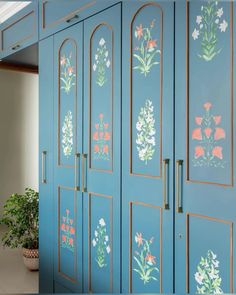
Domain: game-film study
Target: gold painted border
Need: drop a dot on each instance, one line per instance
(68, 16)
(131, 88)
(59, 164)
(12, 24)
(89, 238)
(230, 223)
(90, 96)
(71, 279)
(231, 98)
(131, 243)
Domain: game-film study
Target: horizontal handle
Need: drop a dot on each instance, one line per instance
(73, 18)
(179, 190)
(15, 47)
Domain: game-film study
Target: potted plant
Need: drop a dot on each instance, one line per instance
(20, 215)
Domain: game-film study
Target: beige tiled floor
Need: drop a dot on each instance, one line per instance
(14, 277)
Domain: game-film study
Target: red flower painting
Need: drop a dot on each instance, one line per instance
(68, 232)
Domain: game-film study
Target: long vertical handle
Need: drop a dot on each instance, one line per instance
(43, 162)
(179, 188)
(84, 173)
(166, 184)
(77, 168)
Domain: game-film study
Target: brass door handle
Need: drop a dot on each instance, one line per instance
(43, 166)
(84, 173)
(77, 173)
(166, 184)
(179, 188)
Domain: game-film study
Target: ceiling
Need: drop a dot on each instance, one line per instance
(9, 8)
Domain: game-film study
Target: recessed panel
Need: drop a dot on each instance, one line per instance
(209, 79)
(100, 216)
(145, 248)
(146, 91)
(101, 98)
(67, 233)
(67, 103)
(209, 260)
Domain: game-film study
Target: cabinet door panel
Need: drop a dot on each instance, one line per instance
(101, 164)
(68, 71)
(147, 146)
(204, 142)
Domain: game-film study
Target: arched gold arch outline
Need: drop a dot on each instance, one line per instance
(131, 85)
(59, 103)
(90, 94)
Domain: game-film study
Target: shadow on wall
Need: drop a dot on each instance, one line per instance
(19, 133)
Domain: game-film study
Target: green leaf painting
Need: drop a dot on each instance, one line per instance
(146, 52)
(101, 243)
(67, 232)
(146, 131)
(208, 25)
(67, 134)
(67, 73)
(145, 261)
(208, 275)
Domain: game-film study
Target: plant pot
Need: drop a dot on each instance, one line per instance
(31, 258)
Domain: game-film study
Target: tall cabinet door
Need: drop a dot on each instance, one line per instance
(101, 158)
(204, 147)
(147, 146)
(68, 87)
(46, 167)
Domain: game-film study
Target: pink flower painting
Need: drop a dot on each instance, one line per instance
(67, 232)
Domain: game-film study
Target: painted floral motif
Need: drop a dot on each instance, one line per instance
(208, 134)
(67, 73)
(68, 232)
(67, 134)
(207, 275)
(102, 138)
(101, 243)
(102, 62)
(147, 50)
(145, 260)
(208, 24)
(146, 132)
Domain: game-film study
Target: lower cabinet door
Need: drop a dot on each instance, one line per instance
(147, 146)
(204, 147)
(68, 86)
(102, 145)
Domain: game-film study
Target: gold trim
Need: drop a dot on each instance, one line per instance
(131, 89)
(12, 24)
(90, 96)
(131, 203)
(65, 18)
(59, 164)
(231, 99)
(230, 223)
(71, 279)
(90, 194)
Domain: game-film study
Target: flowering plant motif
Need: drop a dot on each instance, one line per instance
(67, 73)
(208, 152)
(67, 134)
(146, 50)
(145, 132)
(145, 260)
(102, 138)
(101, 63)
(207, 275)
(208, 24)
(101, 243)
(68, 232)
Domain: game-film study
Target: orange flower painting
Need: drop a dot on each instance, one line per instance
(67, 232)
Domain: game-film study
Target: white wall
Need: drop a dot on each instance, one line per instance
(18, 133)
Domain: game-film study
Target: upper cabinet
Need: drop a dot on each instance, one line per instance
(57, 15)
(19, 31)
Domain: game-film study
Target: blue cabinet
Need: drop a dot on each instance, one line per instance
(204, 147)
(19, 31)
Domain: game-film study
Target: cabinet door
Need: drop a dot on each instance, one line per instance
(68, 86)
(147, 118)
(204, 147)
(46, 167)
(102, 145)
